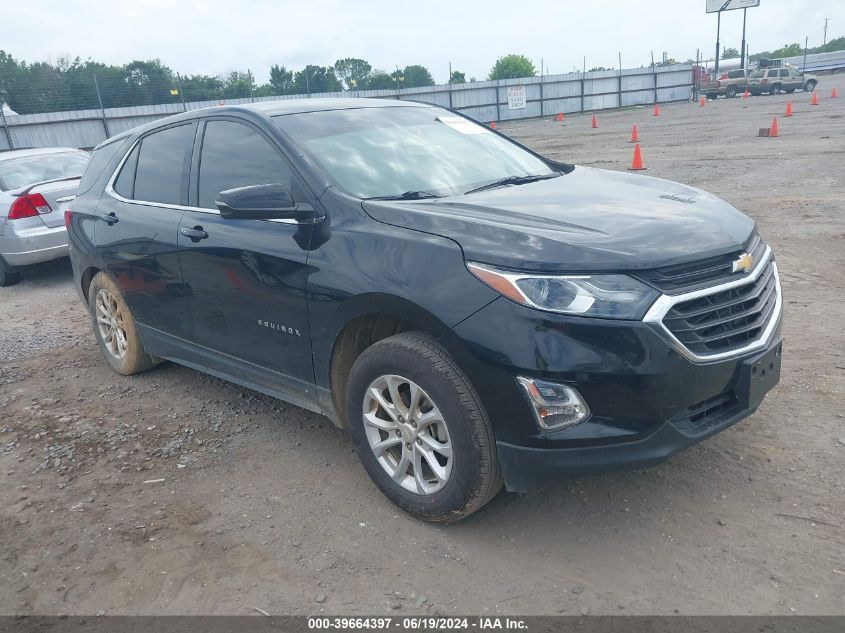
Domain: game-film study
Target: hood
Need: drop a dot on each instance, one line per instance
(588, 219)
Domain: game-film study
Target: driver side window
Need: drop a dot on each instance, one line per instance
(237, 155)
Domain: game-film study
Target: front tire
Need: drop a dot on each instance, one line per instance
(421, 431)
(810, 86)
(114, 328)
(8, 276)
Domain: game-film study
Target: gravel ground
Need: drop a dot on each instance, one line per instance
(173, 492)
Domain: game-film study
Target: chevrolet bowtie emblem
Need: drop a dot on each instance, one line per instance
(744, 263)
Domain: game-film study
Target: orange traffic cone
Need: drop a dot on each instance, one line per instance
(656, 110)
(492, 125)
(773, 130)
(594, 123)
(701, 102)
(833, 94)
(637, 162)
(745, 94)
(815, 99)
(788, 109)
(634, 137)
(559, 116)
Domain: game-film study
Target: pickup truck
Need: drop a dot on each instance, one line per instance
(728, 84)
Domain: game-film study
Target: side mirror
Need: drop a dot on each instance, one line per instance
(261, 202)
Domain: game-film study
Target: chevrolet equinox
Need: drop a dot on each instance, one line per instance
(474, 313)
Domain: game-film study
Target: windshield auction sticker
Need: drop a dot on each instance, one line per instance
(464, 126)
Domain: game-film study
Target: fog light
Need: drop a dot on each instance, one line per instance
(555, 406)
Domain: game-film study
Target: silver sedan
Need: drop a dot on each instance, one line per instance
(33, 185)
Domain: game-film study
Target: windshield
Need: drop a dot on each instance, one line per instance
(28, 170)
(390, 151)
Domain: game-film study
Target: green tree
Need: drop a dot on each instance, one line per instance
(314, 79)
(147, 82)
(380, 80)
(457, 77)
(202, 88)
(789, 50)
(353, 71)
(836, 44)
(511, 67)
(281, 79)
(237, 85)
(416, 76)
(729, 53)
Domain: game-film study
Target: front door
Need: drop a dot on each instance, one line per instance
(246, 278)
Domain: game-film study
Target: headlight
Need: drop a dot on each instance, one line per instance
(609, 296)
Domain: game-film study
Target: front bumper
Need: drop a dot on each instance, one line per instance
(648, 399)
(29, 241)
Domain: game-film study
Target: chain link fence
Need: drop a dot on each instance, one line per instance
(86, 111)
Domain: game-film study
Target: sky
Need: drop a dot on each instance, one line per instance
(217, 36)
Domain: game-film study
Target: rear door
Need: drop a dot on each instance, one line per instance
(246, 278)
(137, 227)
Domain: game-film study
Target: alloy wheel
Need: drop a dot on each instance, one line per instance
(408, 434)
(111, 324)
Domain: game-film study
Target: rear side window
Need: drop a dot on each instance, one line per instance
(236, 155)
(99, 160)
(163, 165)
(784, 72)
(736, 74)
(125, 183)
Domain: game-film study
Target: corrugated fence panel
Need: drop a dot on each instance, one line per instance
(483, 101)
(76, 133)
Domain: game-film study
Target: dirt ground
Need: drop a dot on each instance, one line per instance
(175, 493)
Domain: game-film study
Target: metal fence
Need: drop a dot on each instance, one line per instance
(483, 101)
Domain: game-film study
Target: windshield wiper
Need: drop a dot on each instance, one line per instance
(512, 180)
(408, 195)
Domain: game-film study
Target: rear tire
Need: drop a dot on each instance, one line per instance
(774, 89)
(446, 422)
(8, 276)
(114, 328)
(730, 92)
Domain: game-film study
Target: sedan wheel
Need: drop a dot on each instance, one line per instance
(810, 86)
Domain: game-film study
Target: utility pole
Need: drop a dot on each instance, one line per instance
(718, 30)
(742, 54)
(825, 32)
(804, 67)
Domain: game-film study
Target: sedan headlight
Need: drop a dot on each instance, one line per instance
(609, 296)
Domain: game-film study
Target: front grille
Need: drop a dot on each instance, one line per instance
(712, 271)
(709, 413)
(726, 320)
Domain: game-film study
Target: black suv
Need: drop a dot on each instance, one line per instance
(472, 312)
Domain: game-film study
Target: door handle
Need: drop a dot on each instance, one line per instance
(110, 218)
(196, 234)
